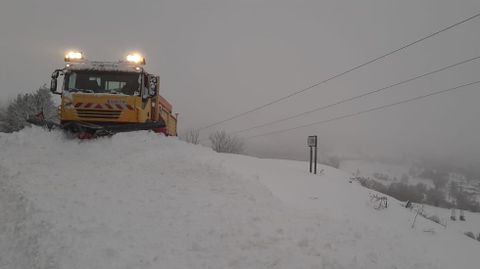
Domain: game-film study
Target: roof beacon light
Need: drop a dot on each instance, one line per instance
(136, 58)
(73, 56)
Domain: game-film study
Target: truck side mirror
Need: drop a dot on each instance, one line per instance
(154, 81)
(53, 82)
(53, 86)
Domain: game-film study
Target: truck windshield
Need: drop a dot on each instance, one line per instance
(103, 82)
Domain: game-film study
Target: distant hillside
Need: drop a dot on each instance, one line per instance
(452, 184)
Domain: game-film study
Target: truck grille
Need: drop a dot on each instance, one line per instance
(98, 113)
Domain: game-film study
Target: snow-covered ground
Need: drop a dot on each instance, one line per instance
(140, 200)
(471, 223)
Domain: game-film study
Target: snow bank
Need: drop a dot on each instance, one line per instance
(140, 200)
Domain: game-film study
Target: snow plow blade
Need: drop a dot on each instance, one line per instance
(85, 130)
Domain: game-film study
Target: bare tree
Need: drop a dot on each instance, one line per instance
(191, 136)
(222, 142)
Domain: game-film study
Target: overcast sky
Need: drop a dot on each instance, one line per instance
(220, 58)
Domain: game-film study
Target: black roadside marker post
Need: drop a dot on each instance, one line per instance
(312, 143)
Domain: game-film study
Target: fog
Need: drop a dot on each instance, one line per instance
(219, 58)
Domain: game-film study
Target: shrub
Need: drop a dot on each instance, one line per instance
(379, 202)
(25, 106)
(222, 142)
(191, 136)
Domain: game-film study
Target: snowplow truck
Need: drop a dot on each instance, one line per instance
(104, 98)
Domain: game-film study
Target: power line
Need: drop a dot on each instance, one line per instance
(356, 97)
(365, 111)
(340, 74)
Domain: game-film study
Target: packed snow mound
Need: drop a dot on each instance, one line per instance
(141, 200)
